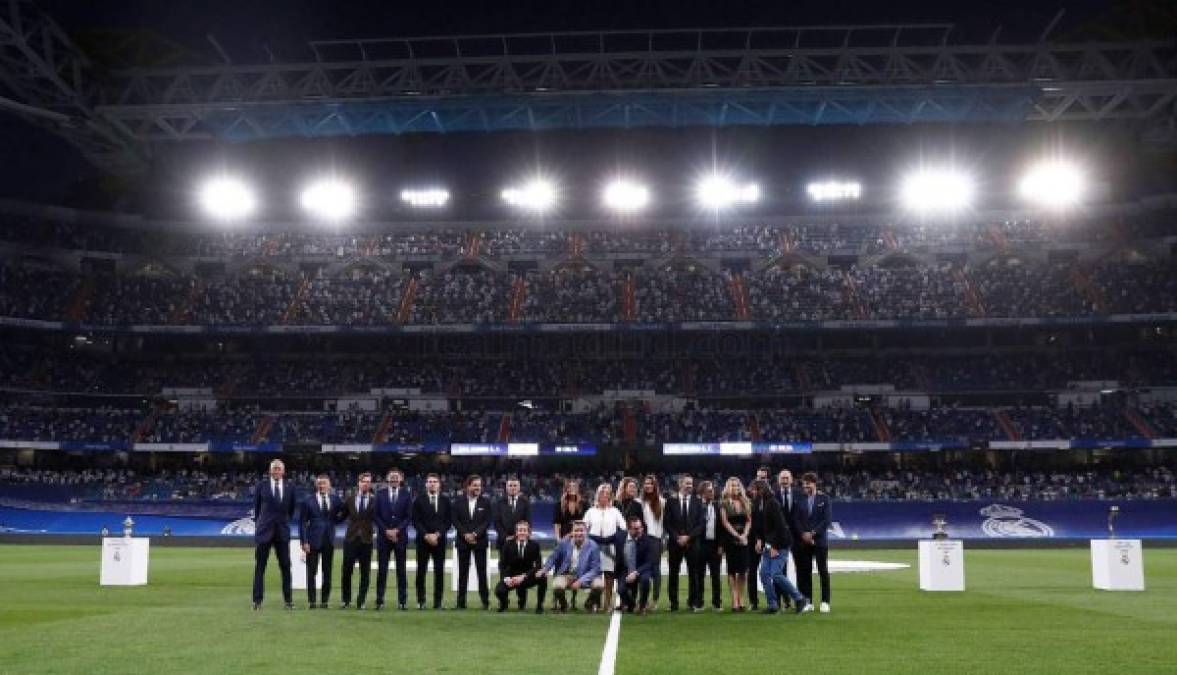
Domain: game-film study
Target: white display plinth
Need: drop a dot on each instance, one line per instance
(492, 571)
(298, 567)
(1117, 564)
(124, 561)
(941, 565)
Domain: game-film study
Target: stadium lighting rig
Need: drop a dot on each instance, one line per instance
(937, 191)
(834, 191)
(1053, 184)
(625, 196)
(330, 199)
(226, 198)
(716, 192)
(537, 196)
(429, 198)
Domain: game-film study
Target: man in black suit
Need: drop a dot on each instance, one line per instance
(635, 566)
(316, 531)
(273, 507)
(509, 510)
(762, 473)
(789, 496)
(683, 523)
(431, 516)
(812, 520)
(394, 514)
(359, 510)
(710, 544)
(519, 563)
(472, 523)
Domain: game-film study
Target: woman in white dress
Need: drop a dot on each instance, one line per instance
(653, 506)
(603, 521)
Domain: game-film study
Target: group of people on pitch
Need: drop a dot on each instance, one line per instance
(612, 545)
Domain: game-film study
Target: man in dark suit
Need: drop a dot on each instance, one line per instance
(813, 517)
(273, 507)
(509, 510)
(394, 513)
(710, 544)
(683, 523)
(789, 496)
(635, 566)
(316, 531)
(762, 473)
(431, 517)
(773, 548)
(359, 510)
(519, 565)
(472, 523)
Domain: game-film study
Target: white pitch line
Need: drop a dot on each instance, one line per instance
(609, 654)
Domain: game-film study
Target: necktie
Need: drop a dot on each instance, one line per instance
(789, 499)
(394, 496)
(521, 550)
(684, 507)
(325, 507)
(631, 555)
(363, 502)
(278, 490)
(811, 505)
(433, 502)
(512, 503)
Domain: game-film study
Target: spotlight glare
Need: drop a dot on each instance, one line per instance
(430, 198)
(833, 190)
(937, 191)
(330, 199)
(1053, 184)
(226, 198)
(537, 195)
(626, 196)
(718, 192)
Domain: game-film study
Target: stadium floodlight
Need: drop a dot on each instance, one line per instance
(719, 192)
(626, 196)
(331, 199)
(833, 191)
(227, 198)
(937, 191)
(536, 195)
(430, 198)
(1053, 184)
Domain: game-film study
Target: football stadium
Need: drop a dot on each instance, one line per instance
(588, 337)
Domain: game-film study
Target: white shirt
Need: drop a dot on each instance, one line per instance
(472, 502)
(392, 494)
(359, 500)
(276, 488)
(653, 525)
(710, 533)
(324, 498)
(575, 558)
(603, 522)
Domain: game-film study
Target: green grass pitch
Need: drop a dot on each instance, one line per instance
(1025, 611)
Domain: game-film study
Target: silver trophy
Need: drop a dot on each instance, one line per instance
(939, 521)
(1113, 513)
(127, 525)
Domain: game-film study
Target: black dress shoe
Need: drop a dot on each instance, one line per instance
(539, 610)
(312, 606)
(401, 607)
(359, 605)
(801, 605)
(437, 606)
(502, 608)
(486, 606)
(379, 606)
(257, 606)
(322, 605)
(420, 606)
(288, 605)
(346, 605)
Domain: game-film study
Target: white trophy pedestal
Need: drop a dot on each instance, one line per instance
(124, 561)
(492, 571)
(1117, 564)
(298, 567)
(941, 565)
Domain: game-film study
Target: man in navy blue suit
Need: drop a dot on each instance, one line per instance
(316, 531)
(273, 507)
(394, 513)
(635, 567)
(813, 516)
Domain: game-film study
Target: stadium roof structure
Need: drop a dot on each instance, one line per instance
(669, 78)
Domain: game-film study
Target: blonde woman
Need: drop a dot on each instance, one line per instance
(604, 521)
(735, 515)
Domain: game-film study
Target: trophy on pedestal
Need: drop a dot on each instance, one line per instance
(1113, 513)
(939, 521)
(127, 525)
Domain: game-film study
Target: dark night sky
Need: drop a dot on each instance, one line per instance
(51, 171)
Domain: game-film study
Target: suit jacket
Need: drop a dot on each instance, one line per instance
(505, 518)
(271, 516)
(644, 554)
(316, 527)
(776, 532)
(676, 523)
(392, 515)
(818, 521)
(479, 524)
(790, 512)
(511, 564)
(429, 521)
(588, 565)
(359, 523)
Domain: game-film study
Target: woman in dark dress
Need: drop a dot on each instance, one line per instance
(735, 516)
